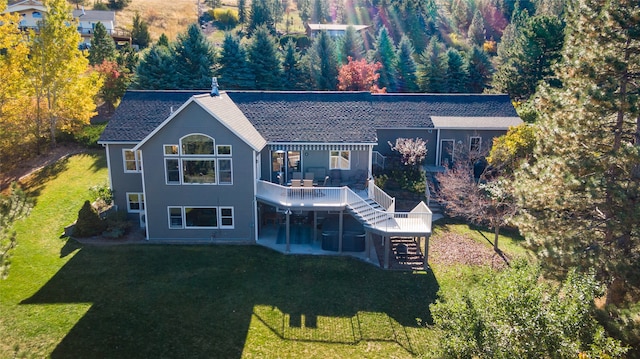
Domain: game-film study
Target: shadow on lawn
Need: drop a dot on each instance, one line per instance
(198, 301)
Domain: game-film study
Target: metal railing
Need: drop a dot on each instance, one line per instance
(378, 159)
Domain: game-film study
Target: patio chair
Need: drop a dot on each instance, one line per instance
(402, 252)
(307, 183)
(359, 180)
(309, 176)
(336, 178)
(296, 176)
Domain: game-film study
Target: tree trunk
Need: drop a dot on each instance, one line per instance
(496, 234)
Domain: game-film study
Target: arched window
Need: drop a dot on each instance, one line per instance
(36, 15)
(197, 145)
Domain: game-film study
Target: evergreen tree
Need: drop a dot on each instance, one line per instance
(193, 59)
(480, 70)
(407, 78)
(264, 60)
(304, 10)
(234, 69)
(127, 58)
(456, 75)
(14, 205)
(260, 15)
(242, 11)
(324, 62)
(351, 45)
(102, 46)
(291, 68)
(529, 48)
(386, 55)
(156, 70)
(118, 4)
(476, 33)
(319, 14)
(431, 67)
(581, 199)
(140, 33)
(163, 40)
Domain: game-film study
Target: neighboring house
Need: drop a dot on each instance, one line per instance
(225, 168)
(333, 30)
(31, 12)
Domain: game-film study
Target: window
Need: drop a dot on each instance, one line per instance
(170, 150)
(132, 160)
(226, 217)
(201, 217)
(224, 150)
(474, 143)
(135, 202)
(196, 161)
(339, 160)
(175, 217)
(224, 171)
(199, 171)
(197, 145)
(172, 170)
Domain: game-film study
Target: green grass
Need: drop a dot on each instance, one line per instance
(65, 300)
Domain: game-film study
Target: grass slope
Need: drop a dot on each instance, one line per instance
(64, 300)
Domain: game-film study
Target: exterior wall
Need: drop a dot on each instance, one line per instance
(159, 195)
(465, 135)
(122, 182)
(390, 135)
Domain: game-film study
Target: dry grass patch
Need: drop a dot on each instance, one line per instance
(168, 17)
(452, 249)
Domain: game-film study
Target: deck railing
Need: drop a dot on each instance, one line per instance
(381, 197)
(388, 221)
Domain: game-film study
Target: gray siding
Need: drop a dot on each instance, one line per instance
(159, 195)
(122, 182)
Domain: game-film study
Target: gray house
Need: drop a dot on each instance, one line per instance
(289, 170)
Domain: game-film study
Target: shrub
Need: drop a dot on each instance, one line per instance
(301, 40)
(101, 193)
(89, 222)
(117, 223)
(226, 18)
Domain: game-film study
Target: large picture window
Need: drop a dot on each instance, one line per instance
(201, 217)
(197, 160)
(339, 160)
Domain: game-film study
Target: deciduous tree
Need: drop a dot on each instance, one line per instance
(115, 80)
(359, 75)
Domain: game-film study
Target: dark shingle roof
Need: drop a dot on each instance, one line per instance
(322, 117)
(140, 112)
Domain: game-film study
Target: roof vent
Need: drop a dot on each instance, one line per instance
(214, 87)
(171, 109)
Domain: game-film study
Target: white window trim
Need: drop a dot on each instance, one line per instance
(166, 172)
(164, 149)
(453, 141)
(224, 154)
(137, 155)
(233, 217)
(479, 142)
(213, 140)
(339, 156)
(218, 171)
(141, 204)
(183, 216)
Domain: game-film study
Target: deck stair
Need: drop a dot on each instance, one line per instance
(368, 212)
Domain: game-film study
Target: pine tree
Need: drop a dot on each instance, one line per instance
(156, 70)
(62, 89)
(431, 68)
(407, 78)
(264, 61)
(242, 11)
(480, 70)
(102, 46)
(293, 75)
(351, 45)
(163, 40)
(260, 15)
(386, 55)
(234, 69)
(140, 33)
(456, 75)
(476, 33)
(304, 10)
(581, 199)
(193, 59)
(324, 62)
(14, 205)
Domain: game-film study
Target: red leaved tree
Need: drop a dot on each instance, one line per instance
(359, 75)
(115, 78)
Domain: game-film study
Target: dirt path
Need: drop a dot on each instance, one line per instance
(26, 168)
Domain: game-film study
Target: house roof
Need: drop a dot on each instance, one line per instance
(94, 15)
(140, 112)
(25, 5)
(476, 123)
(334, 27)
(320, 117)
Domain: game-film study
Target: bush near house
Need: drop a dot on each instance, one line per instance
(89, 222)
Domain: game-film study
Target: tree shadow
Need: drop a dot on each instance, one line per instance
(198, 301)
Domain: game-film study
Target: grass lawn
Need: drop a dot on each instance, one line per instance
(64, 300)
